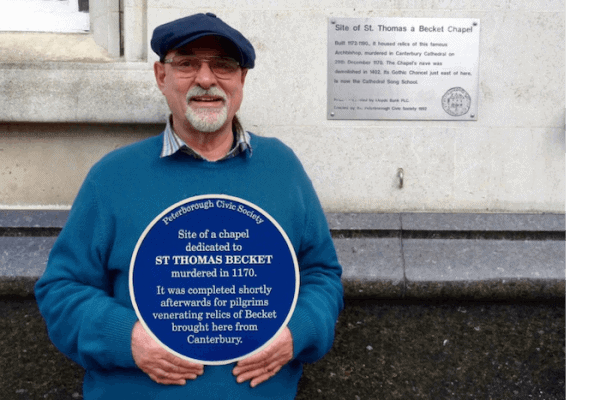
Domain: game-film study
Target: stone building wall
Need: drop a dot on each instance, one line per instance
(67, 99)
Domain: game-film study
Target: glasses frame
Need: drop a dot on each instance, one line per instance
(206, 59)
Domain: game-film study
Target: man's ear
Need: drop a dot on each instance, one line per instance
(160, 75)
(244, 72)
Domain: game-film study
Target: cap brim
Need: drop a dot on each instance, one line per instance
(239, 56)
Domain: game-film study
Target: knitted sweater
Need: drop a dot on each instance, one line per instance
(84, 293)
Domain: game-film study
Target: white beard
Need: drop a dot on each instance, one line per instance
(207, 119)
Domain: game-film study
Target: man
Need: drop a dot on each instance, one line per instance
(84, 293)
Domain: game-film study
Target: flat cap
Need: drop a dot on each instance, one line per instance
(178, 33)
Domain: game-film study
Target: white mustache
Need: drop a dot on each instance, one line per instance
(197, 91)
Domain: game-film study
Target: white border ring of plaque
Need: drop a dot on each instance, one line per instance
(214, 279)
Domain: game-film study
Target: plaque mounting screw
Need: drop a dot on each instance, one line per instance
(474, 23)
(400, 176)
(472, 115)
(332, 22)
(332, 114)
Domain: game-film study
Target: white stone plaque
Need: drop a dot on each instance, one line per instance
(403, 68)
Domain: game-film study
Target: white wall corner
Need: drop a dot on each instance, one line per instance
(135, 30)
(105, 25)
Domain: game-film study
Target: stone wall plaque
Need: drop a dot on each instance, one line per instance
(403, 68)
(214, 279)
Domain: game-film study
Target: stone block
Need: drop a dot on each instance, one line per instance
(24, 256)
(363, 221)
(456, 260)
(483, 222)
(33, 218)
(368, 259)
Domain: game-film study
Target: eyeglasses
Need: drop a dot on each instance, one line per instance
(185, 66)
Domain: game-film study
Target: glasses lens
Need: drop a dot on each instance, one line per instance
(184, 65)
(220, 66)
(223, 66)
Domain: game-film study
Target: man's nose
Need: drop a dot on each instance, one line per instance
(205, 77)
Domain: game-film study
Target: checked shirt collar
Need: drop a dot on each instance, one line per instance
(173, 143)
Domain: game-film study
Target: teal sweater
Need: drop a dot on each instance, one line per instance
(84, 293)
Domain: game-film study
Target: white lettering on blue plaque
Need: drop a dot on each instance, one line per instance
(214, 279)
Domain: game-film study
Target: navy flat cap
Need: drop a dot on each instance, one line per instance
(178, 33)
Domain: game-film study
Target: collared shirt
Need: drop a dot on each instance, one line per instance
(172, 143)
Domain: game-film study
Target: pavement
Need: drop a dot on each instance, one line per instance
(383, 350)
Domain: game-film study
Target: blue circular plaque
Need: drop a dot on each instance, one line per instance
(214, 279)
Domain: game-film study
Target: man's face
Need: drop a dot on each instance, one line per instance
(203, 101)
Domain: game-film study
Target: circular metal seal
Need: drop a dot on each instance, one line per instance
(456, 102)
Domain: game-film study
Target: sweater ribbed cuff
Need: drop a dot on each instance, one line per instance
(303, 331)
(119, 325)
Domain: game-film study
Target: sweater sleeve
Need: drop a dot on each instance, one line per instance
(74, 294)
(320, 299)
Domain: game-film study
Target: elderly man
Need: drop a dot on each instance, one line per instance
(84, 293)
